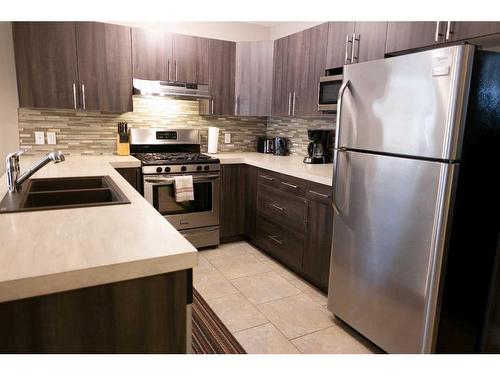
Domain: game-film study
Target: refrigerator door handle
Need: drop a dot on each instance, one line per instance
(337, 147)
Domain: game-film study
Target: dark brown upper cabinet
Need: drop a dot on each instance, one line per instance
(254, 78)
(408, 35)
(369, 41)
(338, 49)
(47, 75)
(190, 59)
(222, 61)
(105, 66)
(151, 53)
(468, 30)
(299, 62)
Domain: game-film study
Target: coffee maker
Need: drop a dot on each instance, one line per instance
(319, 149)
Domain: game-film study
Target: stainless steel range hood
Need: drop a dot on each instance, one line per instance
(176, 90)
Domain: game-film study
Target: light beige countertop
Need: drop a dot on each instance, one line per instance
(292, 165)
(43, 252)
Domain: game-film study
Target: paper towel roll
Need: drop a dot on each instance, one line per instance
(213, 139)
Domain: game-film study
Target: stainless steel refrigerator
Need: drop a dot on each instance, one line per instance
(397, 169)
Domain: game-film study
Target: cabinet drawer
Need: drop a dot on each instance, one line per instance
(283, 208)
(285, 245)
(283, 182)
(319, 193)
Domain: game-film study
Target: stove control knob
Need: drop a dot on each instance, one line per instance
(206, 167)
(198, 168)
(159, 169)
(167, 169)
(183, 169)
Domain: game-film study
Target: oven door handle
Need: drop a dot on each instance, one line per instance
(170, 180)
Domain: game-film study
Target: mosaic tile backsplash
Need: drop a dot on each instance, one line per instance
(94, 133)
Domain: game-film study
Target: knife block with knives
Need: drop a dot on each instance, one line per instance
(123, 139)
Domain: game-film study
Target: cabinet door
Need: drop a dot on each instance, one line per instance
(316, 260)
(467, 30)
(336, 46)
(232, 214)
(190, 59)
(280, 103)
(222, 60)
(371, 44)
(310, 65)
(105, 66)
(408, 35)
(151, 53)
(251, 186)
(254, 77)
(46, 64)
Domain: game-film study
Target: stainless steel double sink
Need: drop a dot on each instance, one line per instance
(64, 192)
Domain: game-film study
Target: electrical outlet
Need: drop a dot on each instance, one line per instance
(51, 138)
(227, 138)
(39, 138)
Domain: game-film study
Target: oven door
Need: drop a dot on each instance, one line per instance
(203, 211)
(328, 93)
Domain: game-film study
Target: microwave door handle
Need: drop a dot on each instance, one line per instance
(337, 148)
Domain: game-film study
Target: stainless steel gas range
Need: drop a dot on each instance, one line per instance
(165, 153)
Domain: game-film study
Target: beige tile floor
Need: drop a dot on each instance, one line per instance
(268, 308)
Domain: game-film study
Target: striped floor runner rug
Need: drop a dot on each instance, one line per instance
(210, 335)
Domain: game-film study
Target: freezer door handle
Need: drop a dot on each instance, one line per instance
(337, 147)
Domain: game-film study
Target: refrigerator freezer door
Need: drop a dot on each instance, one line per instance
(387, 247)
(408, 105)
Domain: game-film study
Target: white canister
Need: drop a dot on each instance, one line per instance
(213, 139)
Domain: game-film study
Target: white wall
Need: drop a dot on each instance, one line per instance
(284, 28)
(9, 135)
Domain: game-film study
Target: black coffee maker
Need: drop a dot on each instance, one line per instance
(320, 148)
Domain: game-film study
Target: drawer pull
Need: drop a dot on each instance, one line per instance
(274, 205)
(320, 194)
(291, 185)
(267, 177)
(275, 240)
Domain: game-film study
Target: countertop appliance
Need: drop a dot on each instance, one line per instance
(416, 199)
(280, 146)
(165, 153)
(328, 90)
(265, 145)
(319, 149)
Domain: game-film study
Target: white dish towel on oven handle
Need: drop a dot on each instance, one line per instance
(183, 187)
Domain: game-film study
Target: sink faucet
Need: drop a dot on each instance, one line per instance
(14, 179)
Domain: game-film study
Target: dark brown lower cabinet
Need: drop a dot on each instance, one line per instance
(232, 206)
(251, 178)
(146, 315)
(133, 177)
(318, 243)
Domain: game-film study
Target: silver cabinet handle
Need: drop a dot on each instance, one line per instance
(236, 105)
(212, 106)
(278, 207)
(355, 38)
(438, 34)
(267, 177)
(448, 30)
(289, 102)
(347, 58)
(337, 148)
(74, 95)
(84, 105)
(168, 70)
(293, 104)
(175, 63)
(290, 185)
(275, 239)
(319, 194)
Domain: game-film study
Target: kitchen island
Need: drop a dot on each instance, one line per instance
(109, 279)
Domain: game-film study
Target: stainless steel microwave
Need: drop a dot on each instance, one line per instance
(328, 92)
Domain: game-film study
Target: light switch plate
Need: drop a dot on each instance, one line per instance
(227, 138)
(51, 138)
(39, 138)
